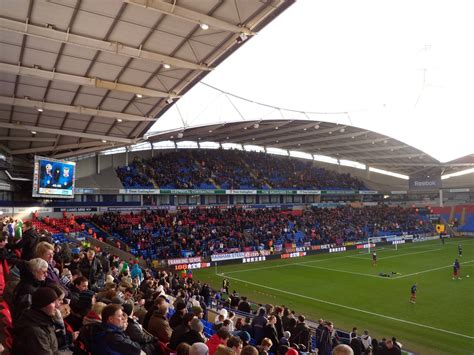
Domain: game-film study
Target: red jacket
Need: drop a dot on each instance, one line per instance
(213, 342)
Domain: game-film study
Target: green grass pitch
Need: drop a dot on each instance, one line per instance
(346, 289)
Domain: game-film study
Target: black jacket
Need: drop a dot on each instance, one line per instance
(271, 333)
(34, 333)
(301, 335)
(28, 243)
(176, 319)
(191, 337)
(92, 271)
(177, 335)
(24, 291)
(139, 335)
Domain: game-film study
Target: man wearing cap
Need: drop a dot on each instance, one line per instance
(34, 330)
(195, 334)
(177, 318)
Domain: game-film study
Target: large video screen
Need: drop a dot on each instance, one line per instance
(53, 178)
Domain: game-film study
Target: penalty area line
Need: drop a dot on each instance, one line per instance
(352, 308)
(429, 270)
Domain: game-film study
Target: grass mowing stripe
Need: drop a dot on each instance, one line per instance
(429, 270)
(396, 256)
(343, 271)
(351, 308)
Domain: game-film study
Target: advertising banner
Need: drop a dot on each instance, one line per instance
(196, 259)
(422, 182)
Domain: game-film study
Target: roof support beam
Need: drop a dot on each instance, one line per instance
(390, 156)
(86, 42)
(325, 139)
(56, 148)
(376, 149)
(189, 15)
(84, 81)
(84, 151)
(28, 139)
(62, 132)
(72, 109)
(311, 133)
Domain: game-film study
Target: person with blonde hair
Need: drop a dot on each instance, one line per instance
(45, 251)
(265, 346)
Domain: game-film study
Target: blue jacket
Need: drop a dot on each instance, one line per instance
(111, 340)
(136, 272)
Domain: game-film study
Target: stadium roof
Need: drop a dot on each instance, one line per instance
(79, 76)
(339, 141)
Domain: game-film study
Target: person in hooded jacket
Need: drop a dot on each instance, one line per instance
(136, 332)
(34, 331)
(28, 241)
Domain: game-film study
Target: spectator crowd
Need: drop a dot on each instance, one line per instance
(231, 169)
(202, 232)
(71, 299)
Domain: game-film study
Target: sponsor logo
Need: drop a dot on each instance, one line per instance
(337, 250)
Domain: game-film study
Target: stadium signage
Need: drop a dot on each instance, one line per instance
(292, 255)
(6, 210)
(253, 260)
(240, 192)
(338, 192)
(191, 266)
(365, 246)
(196, 259)
(337, 250)
(459, 190)
(424, 183)
(227, 256)
(75, 209)
(308, 192)
(235, 192)
(368, 192)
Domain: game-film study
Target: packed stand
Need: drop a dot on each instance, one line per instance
(73, 300)
(159, 234)
(231, 169)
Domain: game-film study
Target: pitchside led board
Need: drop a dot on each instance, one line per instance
(53, 178)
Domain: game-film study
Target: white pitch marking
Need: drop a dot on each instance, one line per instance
(354, 309)
(429, 270)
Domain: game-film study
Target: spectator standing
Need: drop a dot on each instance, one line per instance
(258, 325)
(91, 268)
(34, 330)
(158, 324)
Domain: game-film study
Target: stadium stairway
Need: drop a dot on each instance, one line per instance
(252, 174)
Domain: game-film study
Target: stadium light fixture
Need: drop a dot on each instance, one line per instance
(204, 26)
(139, 96)
(104, 141)
(166, 66)
(169, 100)
(256, 125)
(342, 130)
(316, 126)
(33, 132)
(119, 120)
(180, 135)
(276, 127)
(39, 109)
(330, 132)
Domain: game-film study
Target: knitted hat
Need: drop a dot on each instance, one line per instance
(127, 308)
(43, 296)
(180, 306)
(245, 336)
(85, 299)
